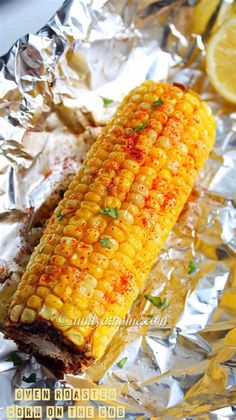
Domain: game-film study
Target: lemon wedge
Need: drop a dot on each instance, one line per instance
(221, 60)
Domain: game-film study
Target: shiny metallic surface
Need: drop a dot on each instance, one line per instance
(51, 110)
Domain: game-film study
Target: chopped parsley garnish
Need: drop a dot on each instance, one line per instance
(110, 212)
(192, 266)
(106, 101)
(105, 242)
(139, 128)
(157, 301)
(61, 193)
(6, 277)
(59, 217)
(122, 362)
(32, 378)
(14, 358)
(159, 101)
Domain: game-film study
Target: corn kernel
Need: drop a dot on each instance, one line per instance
(90, 280)
(95, 271)
(73, 230)
(47, 312)
(136, 199)
(126, 217)
(91, 235)
(81, 188)
(98, 295)
(84, 213)
(98, 310)
(66, 246)
(42, 291)
(85, 289)
(75, 336)
(79, 300)
(134, 210)
(53, 301)
(72, 311)
(15, 313)
(34, 302)
(127, 249)
(98, 223)
(115, 233)
(132, 166)
(58, 260)
(100, 260)
(92, 196)
(112, 202)
(62, 291)
(28, 315)
(85, 330)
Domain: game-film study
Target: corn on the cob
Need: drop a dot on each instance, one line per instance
(103, 237)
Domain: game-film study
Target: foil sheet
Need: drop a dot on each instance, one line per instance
(51, 109)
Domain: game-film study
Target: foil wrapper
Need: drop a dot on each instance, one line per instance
(51, 109)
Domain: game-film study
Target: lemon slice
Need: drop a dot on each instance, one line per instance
(221, 60)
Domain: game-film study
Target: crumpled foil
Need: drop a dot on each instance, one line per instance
(51, 110)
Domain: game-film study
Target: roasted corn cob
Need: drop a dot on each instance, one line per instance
(103, 237)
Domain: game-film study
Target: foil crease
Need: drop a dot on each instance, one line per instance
(51, 110)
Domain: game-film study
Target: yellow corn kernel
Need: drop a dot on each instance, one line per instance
(34, 302)
(112, 202)
(105, 286)
(28, 315)
(41, 258)
(98, 295)
(84, 213)
(61, 322)
(15, 312)
(95, 271)
(79, 261)
(98, 188)
(85, 289)
(109, 249)
(135, 242)
(126, 217)
(81, 188)
(134, 210)
(99, 259)
(94, 208)
(92, 196)
(115, 233)
(58, 260)
(136, 199)
(85, 330)
(132, 166)
(98, 310)
(124, 260)
(98, 223)
(66, 246)
(47, 312)
(90, 280)
(127, 249)
(73, 230)
(72, 311)
(91, 235)
(79, 300)
(42, 291)
(75, 336)
(53, 301)
(62, 291)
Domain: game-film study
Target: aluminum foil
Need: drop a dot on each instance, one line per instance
(51, 109)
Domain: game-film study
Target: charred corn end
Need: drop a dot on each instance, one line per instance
(102, 239)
